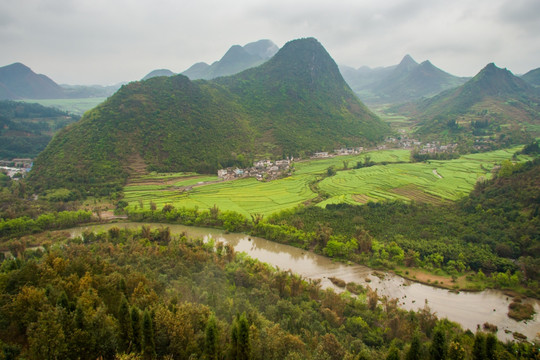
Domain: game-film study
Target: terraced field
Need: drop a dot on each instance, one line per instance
(433, 182)
(246, 196)
(320, 165)
(451, 180)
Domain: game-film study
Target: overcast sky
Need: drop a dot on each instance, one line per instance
(110, 41)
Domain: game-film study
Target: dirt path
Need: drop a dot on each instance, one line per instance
(437, 174)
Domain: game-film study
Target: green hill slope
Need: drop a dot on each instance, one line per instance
(25, 128)
(493, 106)
(303, 83)
(293, 104)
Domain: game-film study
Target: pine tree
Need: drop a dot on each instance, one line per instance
(479, 347)
(414, 350)
(136, 337)
(124, 325)
(491, 346)
(243, 348)
(234, 340)
(79, 318)
(438, 345)
(211, 339)
(148, 344)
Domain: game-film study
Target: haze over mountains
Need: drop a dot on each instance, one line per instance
(235, 60)
(399, 83)
(294, 104)
(18, 81)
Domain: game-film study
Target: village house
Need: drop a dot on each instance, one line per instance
(16, 168)
(321, 154)
(22, 163)
(261, 170)
(348, 151)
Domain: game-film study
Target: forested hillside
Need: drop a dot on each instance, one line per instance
(294, 104)
(495, 108)
(26, 129)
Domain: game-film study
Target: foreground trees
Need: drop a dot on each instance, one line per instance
(145, 295)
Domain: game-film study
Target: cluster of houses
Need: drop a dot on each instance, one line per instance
(337, 152)
(261, 170)
(483, 144)
(436, 147)
(16, 168)
(405, 142)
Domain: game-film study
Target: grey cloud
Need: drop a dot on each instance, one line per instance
(107, 41)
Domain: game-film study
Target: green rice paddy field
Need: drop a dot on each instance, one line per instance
(434, 182)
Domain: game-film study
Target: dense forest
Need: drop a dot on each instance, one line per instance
(26, 129)
(148, 295)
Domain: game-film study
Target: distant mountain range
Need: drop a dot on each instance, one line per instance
(235, 60)
(399, 83)
(18, 81)
(294, 104)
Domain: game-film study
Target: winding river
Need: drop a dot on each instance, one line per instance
(469, 309)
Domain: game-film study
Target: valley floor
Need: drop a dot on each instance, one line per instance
(392, 177)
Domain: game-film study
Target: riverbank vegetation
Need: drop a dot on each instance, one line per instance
(48, 221)
(488, 239)
(146, 294)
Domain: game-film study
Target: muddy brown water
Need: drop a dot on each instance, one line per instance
(469, 309)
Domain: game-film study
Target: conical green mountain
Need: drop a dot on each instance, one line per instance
(294, 104)
(494, 101)
(303, 83)
(490, 83)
